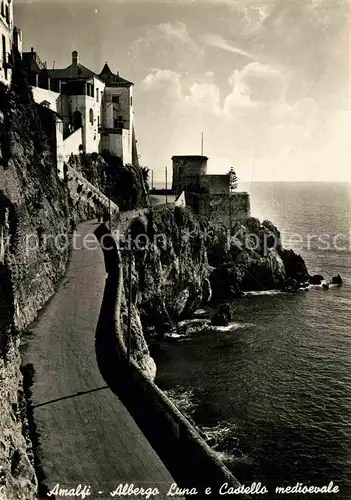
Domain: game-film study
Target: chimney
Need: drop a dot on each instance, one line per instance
(75, 58)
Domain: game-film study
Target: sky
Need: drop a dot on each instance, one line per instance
(266, 82)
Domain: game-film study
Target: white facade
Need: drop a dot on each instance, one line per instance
(60, 156)
(6, 29)
(93, 117)
(100, 106)
(118, 122)
(47, 98)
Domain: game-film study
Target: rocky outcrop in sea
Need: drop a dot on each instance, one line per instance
(189, 262)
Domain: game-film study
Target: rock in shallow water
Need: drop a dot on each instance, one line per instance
(222, 317)
(189, 326)
(336, 280)
(317, 279)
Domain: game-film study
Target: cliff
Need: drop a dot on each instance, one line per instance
(186, 261)
(169, 278)
(33, 205)
(126, 185)
(37, 217)
(251, 257)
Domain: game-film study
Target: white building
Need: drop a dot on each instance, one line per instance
(6, 28)
(96, 110)
(117, 121)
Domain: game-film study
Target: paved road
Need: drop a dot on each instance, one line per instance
(86, 435)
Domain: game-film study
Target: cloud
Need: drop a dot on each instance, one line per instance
(220, 43)
(206, 96)
(176, 31)
(260, 70)
(239, 97)
(167, 43)
(202, 95)
(252, 17)
(164, 79)
(255, 86)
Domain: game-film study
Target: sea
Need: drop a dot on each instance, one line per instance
(271, 394)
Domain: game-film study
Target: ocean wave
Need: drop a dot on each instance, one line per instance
(221, 437)
(229, 459)
(232, 326)
(265, 292)
(223, 440)
(183, 400)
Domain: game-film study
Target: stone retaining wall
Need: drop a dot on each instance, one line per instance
(187, 456)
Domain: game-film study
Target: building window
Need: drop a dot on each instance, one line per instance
(115, 99)
(97, 95)
(131, 100)
(2, 8)
(77, 120)
(7, 14)
(91, 116)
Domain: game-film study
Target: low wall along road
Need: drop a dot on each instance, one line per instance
(186, 455)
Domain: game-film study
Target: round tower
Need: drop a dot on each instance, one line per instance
(187, 172)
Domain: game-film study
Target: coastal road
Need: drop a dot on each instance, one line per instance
(85, 434)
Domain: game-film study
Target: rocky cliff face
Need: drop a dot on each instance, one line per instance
(251, 257)
(169, 278)
(34, 211)
(36, 223)
(187, 261)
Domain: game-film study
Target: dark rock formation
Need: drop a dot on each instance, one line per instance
(337, 280)
(316, 279)
(222, 317)
(295, 267)
(188, 261)
(251, 258)
(191, 326)
(173, 279)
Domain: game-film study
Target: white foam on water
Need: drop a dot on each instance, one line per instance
(264, 292)
(232, 327)
(183, 400)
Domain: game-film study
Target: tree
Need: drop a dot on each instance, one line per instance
(233, 180)
(146, 174)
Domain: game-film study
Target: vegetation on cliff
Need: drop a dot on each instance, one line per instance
(126, 185)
